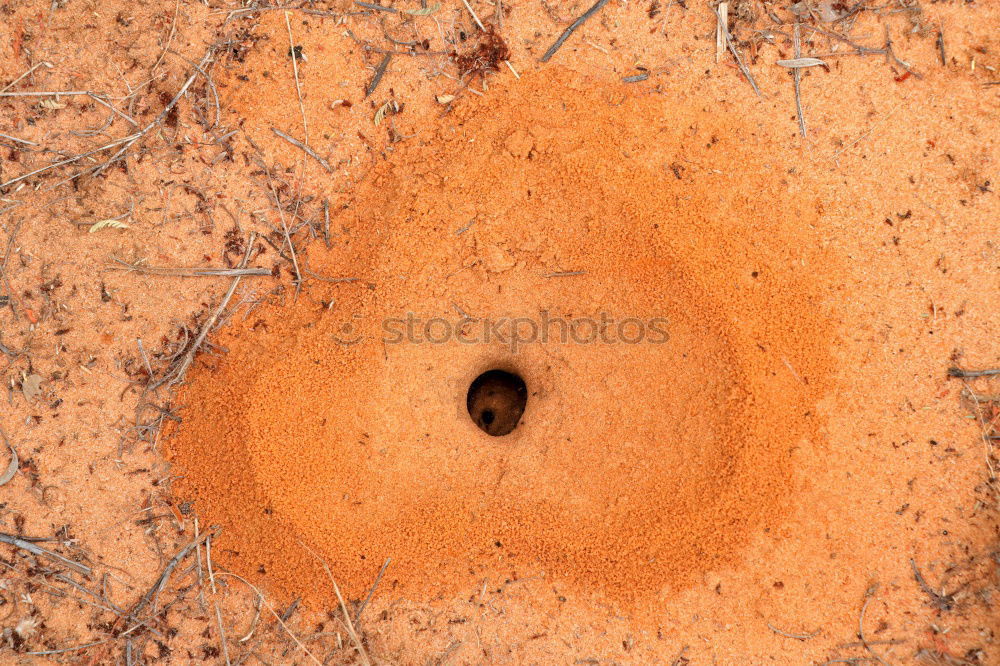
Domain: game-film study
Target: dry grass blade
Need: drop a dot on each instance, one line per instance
(736, 54)
(358, 645)
(263, 599)
(371, 592)
(720, 34)
(281, 217)
(798, 637)
(184, 271)
(222, 635)
(869, 595)
(69, 649)
(797, 79)
(10, 85)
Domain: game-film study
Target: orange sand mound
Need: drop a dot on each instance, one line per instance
(635, 468)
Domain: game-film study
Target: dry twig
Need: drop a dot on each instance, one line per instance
(572, 28)
(306, 149)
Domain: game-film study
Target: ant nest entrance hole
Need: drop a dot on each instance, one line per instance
(496, 401)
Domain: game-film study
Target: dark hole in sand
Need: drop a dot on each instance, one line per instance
(496, 401)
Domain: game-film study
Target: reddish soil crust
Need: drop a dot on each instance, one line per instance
(901, 170)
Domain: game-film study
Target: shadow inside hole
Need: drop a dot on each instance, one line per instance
(496, 401)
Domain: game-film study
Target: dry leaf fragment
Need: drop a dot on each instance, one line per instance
(31, 386)
(11, 468)
(107, 224)
(801, 62)
(423, 11)
(52, 104)
(445, 99)
(385, 109)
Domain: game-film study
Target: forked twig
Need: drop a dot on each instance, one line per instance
(178, 375)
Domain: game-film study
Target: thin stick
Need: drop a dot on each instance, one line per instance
(197, 553)
(71, 160)
(178, 376)
(28, 73)
(797, 78)
(208, 563)
(958, 372)
(15, 139)
(253, 623)
(861, 50)
(12, 540)
(572, 28)
(371, 592)
(379, 73)
(861, 138)
(302, 164)
(145, 359)
(326, 223)
(170, 37)
(306, 149)
(100, 100)
(736, 55)
(4, 279)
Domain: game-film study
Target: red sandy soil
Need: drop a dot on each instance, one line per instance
(747, 492)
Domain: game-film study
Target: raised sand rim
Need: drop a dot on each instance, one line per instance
(635, 467)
